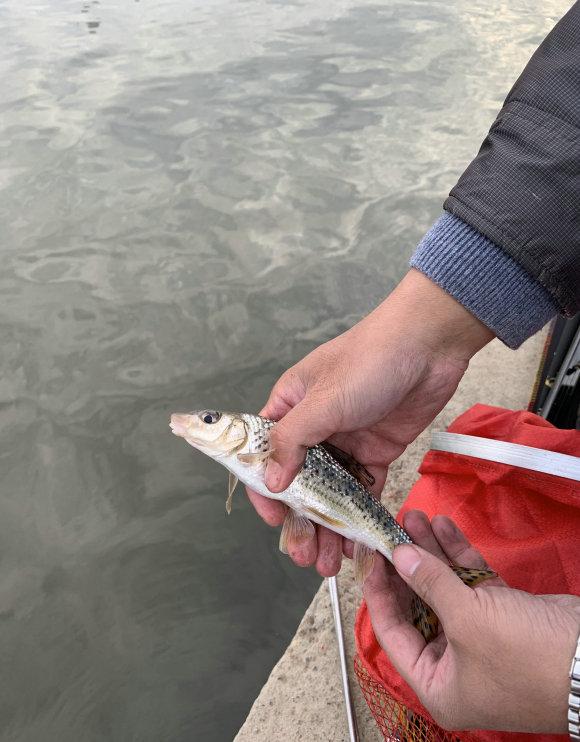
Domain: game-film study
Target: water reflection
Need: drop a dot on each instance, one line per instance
(192, 198)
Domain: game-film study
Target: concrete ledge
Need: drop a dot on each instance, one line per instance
(302, 699)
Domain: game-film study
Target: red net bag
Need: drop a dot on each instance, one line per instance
(527, 526)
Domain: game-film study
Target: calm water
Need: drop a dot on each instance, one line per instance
(194, 194)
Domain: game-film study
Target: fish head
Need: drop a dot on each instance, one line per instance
(217, 434)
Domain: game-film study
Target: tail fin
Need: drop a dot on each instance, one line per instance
(423, 617)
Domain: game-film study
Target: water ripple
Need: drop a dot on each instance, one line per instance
(193, 196)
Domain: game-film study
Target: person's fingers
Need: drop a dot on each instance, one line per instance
(275, 409)
(305, 425)
(305, 552)
(385, 595)
(432, 580)
(371, 448)
(417, 525)
(458, 549)
(385, 598)
(272, 512)
(455, 544)
(329, 556)
(286, 393)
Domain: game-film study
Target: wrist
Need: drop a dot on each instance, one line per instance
(485, 279)
(433, 318)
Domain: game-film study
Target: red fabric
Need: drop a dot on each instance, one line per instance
(526, 524)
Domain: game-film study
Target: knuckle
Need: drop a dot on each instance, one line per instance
(289, 383)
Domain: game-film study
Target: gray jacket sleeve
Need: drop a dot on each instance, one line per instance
(522, 191)
(485, 279)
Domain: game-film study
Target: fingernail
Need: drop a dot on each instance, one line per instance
(273, 475)
(406, 559)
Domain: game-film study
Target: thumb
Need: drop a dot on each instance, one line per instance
(432, 580)
(306, 424)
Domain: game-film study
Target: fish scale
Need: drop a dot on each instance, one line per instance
(324, 492)
(328, 483)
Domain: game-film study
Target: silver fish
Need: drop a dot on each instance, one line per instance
(323, 492)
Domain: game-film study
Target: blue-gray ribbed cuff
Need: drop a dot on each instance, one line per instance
(485, 279)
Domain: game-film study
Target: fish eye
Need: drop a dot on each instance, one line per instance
(210, 416)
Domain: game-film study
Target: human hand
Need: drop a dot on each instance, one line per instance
(502, 657)
(370, 392)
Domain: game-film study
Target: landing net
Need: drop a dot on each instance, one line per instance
(396, 722)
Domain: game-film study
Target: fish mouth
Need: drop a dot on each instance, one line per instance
(178, 424)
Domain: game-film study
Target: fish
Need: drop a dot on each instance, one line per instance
(329, 490)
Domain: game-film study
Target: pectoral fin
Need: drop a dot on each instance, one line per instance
(255, 458)
(363, 562)
(296, 529)
(232, 484)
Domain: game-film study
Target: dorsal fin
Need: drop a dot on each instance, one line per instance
(349, 463)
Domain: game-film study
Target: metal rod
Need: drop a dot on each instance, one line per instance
(350, 714)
